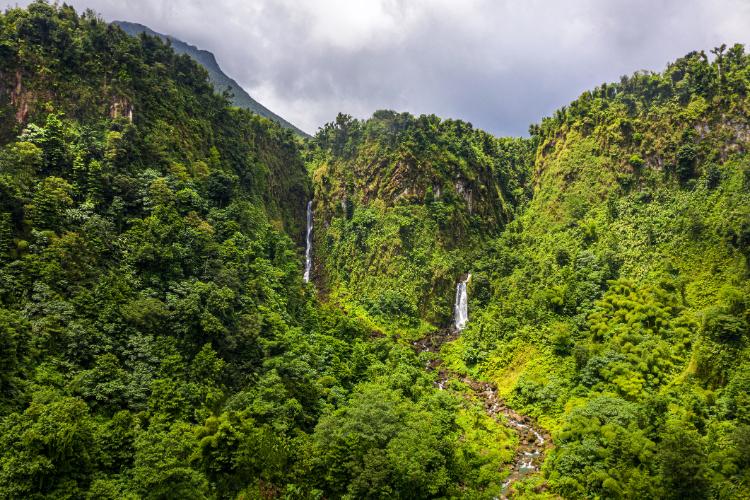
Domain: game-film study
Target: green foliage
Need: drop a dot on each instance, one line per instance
(403, 201)
(682, 463)
(49, 449)
(626, 277)
(220, 81)
(156, 338)
(380, 445)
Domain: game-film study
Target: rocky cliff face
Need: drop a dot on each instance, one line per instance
(398, 159)
(402, 202)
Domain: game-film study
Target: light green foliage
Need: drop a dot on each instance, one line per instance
(404, 201)
(626, 276)
(643, 336)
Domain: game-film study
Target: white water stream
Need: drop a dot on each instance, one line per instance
(308, 243)
(461, 309)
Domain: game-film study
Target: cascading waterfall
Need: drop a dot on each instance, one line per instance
(308, 243)
(461, 309)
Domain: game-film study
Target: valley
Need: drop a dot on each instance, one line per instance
(197, 301)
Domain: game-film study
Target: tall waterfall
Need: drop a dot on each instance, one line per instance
(308, 243)
(461, 309)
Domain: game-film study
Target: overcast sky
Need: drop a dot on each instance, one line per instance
(500, 64)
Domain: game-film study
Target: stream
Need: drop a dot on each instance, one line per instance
(533, 441)
(308, 243)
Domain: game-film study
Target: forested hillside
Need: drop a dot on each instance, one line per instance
(618, 312)
(609, 268)
(404, 203)
(158, 340)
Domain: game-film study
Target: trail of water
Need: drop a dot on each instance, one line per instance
(533, 441)
(461, 307)
(308, 243)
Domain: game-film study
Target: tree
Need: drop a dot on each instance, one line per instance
(682, 462)
(49, 449)
(162, 467)
(53, 195)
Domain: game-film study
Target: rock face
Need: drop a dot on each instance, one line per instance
(20, 99)
(398, 159)
(419, 181)
(121, 107)
(396, 190)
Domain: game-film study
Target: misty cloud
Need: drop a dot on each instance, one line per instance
(501, 65)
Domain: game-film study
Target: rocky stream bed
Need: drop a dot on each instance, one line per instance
(533, 441)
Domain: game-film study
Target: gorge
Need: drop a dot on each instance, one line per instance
(560, 315)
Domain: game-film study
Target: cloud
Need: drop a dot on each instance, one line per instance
(499, 64)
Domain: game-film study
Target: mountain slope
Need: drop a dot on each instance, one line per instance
(610, 264)
(619, 313)
(156, 337)
(218, 78)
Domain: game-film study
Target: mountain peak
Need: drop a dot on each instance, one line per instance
(220, 80)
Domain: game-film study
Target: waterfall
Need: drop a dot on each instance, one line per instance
(461, 309)
(308, 243)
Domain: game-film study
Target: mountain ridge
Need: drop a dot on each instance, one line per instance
(220, 80)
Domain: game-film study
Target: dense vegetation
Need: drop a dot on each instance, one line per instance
(158, 341)
(618, 311)
(609, 291)
(404, 203)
